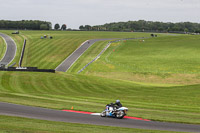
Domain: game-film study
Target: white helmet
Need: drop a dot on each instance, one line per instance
(117, 101)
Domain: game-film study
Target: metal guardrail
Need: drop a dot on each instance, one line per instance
(105, 50)
(22, 54)
(27, 69)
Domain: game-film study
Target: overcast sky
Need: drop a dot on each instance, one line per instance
(96, 12)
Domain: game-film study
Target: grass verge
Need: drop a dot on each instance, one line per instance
(10, 124)
(2, 48)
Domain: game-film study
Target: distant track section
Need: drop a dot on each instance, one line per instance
(10, 49)
(69, 61)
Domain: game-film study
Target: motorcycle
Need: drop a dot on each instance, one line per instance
(114, 112)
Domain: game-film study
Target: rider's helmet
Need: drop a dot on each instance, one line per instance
(117, 101)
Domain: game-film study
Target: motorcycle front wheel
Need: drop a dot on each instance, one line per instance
(103, 114)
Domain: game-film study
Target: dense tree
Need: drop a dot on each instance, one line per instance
(57, 26)
(64, 27)
(25, 24)
(81, 27)
(86, 27)
(44, 27)
(143, 25)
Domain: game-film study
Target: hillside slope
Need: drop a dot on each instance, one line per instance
(89, 93)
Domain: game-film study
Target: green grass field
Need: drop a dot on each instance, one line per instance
(89, 93)
(47, 53)
(160, 60)
(158, 79)
(24, 125)
(2, 48)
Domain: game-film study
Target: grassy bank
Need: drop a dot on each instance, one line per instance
(157, 78)
(163, 60)
(89, 93)
(49, 53)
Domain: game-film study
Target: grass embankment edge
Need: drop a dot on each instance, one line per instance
(19, 124)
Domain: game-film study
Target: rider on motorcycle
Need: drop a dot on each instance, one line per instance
(115, 105)
(115, 110)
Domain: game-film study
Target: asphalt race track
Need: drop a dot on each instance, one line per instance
(69, 61)
(56, 115)
(10, 51)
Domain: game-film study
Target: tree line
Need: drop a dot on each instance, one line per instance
(25, 24)
(143, 25)
(57, 27)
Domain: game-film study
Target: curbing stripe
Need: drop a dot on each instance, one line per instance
(90, 113)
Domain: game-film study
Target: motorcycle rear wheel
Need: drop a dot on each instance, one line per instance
(120, 114)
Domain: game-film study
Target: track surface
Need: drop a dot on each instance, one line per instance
(69, 61)
(10, 51)
(55, 115)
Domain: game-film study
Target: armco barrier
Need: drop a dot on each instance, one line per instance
(28, 69)
(22, 54)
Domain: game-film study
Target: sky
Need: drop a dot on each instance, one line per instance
(74, 13)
